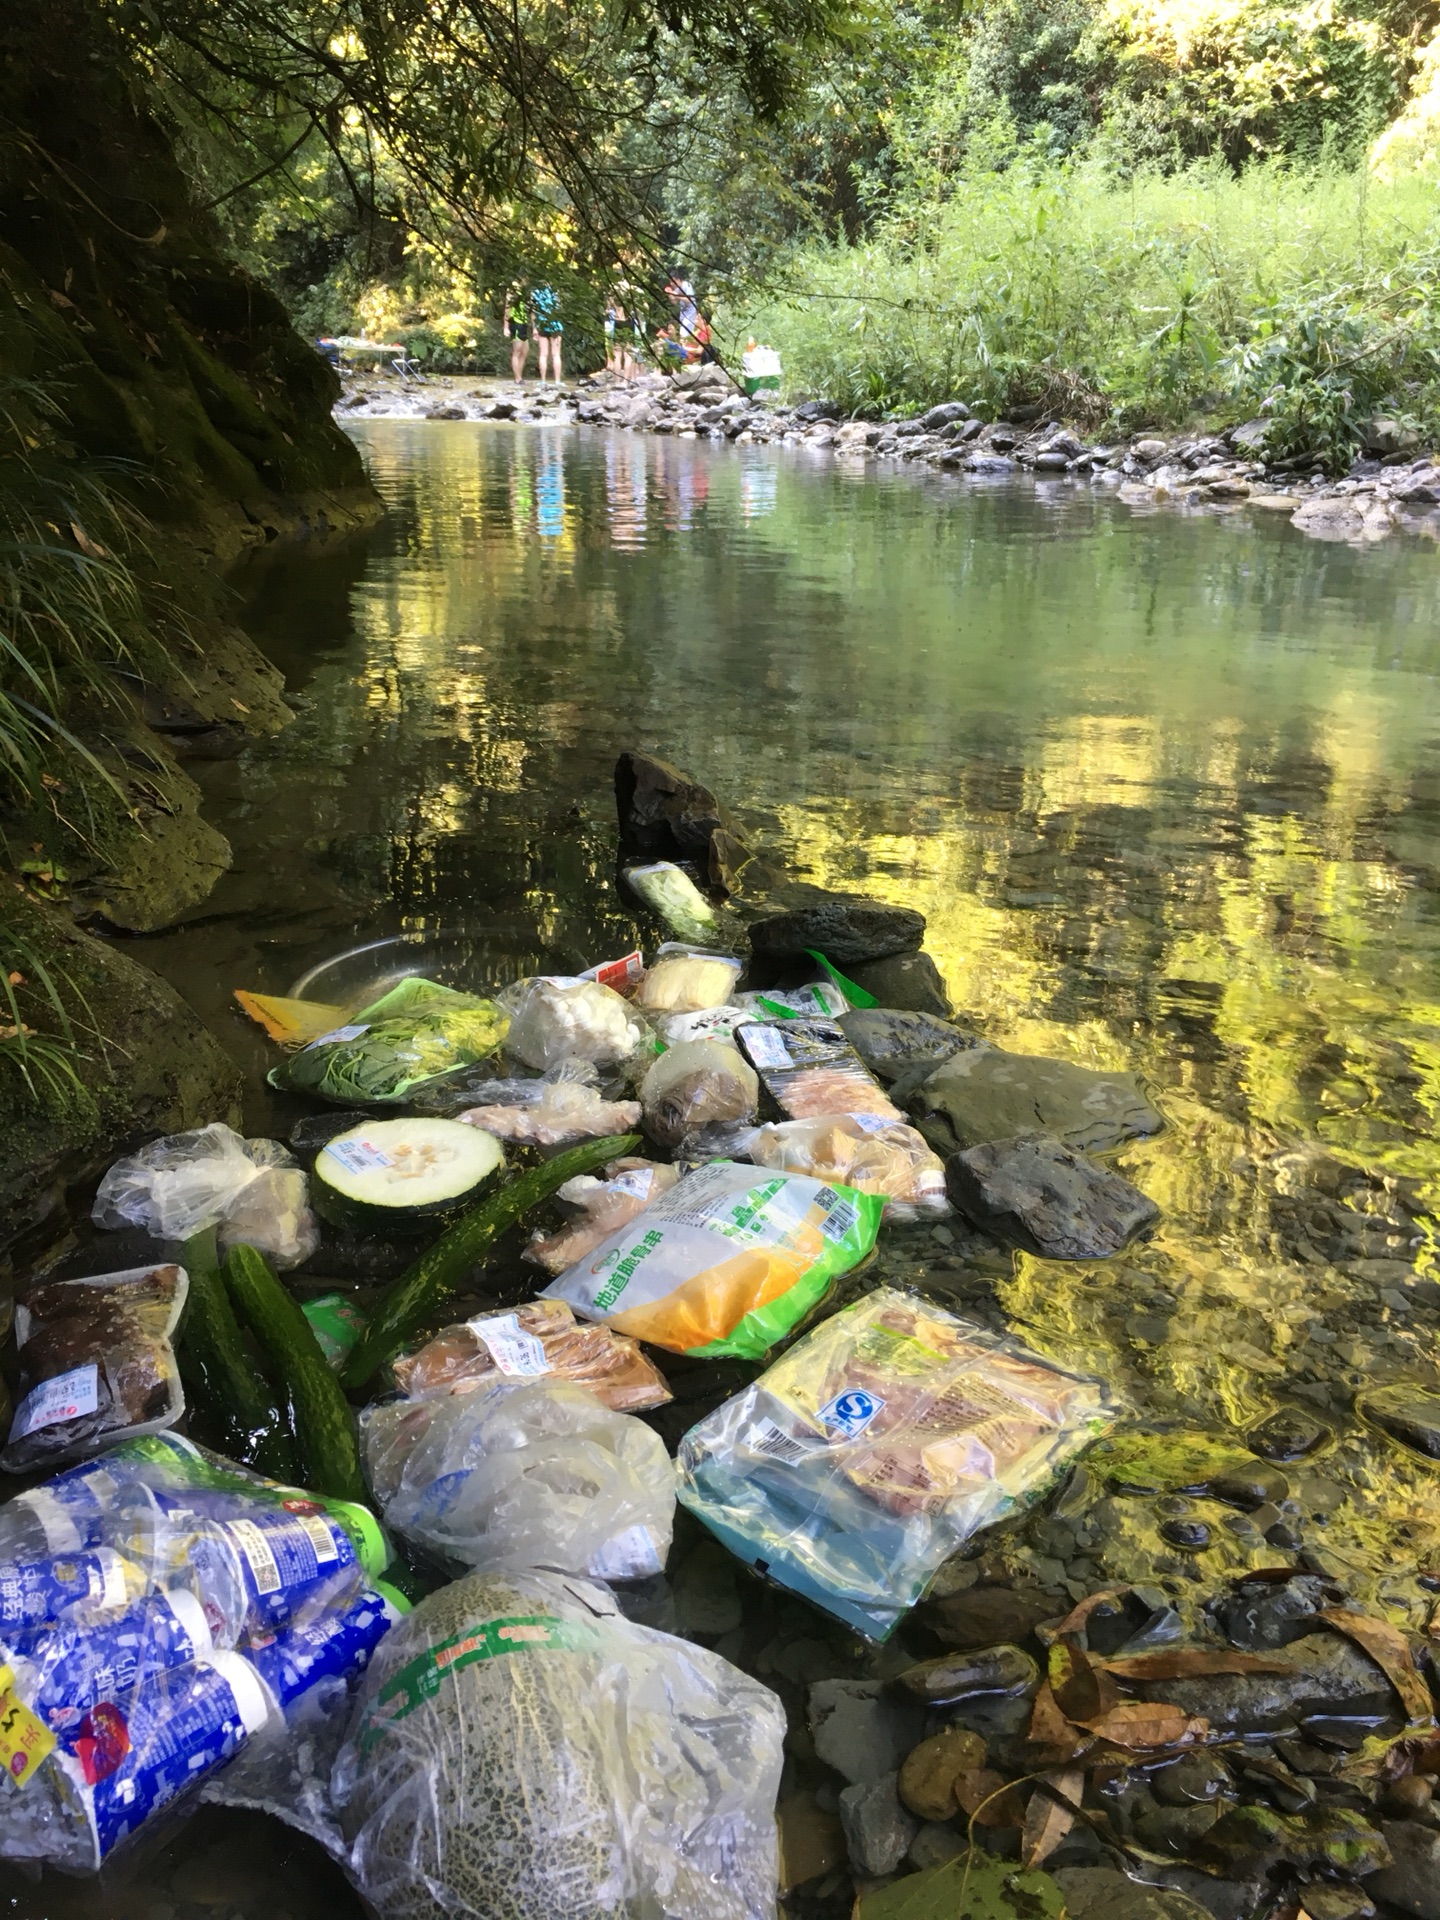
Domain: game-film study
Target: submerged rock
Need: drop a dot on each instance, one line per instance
(847, 928)
(987, 1094)
(1322, 1677)
(1288, 1434)
(909, 982)
(979, 1616)
(858, 1731)
(1252, 1839)
(1408, 1413)
(1100, 1893)
(1044, 1197)
(896, 1040)
(954, 1677)
(1410, 1881)
(927, 1778)
(878, 1830)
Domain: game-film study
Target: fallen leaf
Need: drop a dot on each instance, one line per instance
(988, 1798)
(86, 544)
(1188, 1663)
(57, 298)
(1390, 1651)
(1050, 1814)
(1141, 1724)
(1074, 1621)
(1082, 1688)
(1048, 1726)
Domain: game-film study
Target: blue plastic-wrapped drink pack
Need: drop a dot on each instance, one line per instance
(163, 1611)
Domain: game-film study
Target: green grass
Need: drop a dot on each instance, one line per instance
(1134, 303)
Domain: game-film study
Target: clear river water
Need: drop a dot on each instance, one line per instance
(1166, 785)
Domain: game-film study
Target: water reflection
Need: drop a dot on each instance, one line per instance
(1166, 790)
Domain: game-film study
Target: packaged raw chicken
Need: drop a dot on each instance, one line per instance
(726, 1263)
(878, 1445)
(554, 1018)
(541, 1339)
(860, 1150)
(811, 1071)
(551, 1112)
(628, 1188)
(697, 1084)
(685, 980)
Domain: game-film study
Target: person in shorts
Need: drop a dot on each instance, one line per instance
(545, 309)
(517, 331)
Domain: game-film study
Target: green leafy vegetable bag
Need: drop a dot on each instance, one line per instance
(412, 1034)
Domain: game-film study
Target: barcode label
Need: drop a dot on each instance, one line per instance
(779, 1445)
(359, 1156)
(871, 1122)
(765, 1047)
(512, 1349)
(320, 1537)
(837, 1214)
(338, 1034)
(637, 1181)
(256, 1549)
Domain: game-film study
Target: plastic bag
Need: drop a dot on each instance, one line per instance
(410, 1035)
(811, 1071)
(712, 1023)
(687, 980)
(523, 1474)
(542, 1338)
(629, 1187)
(726, 1263)
(819, 999)
(96, 1364)
(520, 1748)
(878, 1445)
(859, 1150)
(700, 1083)
(555, 1019)
(553, 1111)
(252, 1190)
(670, 892)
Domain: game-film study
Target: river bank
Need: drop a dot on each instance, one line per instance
(1392, 489)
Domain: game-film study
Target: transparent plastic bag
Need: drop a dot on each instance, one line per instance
(860, 1150)
(185, 1182)
(555, 1019)
(712, 1023)
(629, 1186)
(818, 999)
(670, 892)
(811, 1071)
(726, 1263)
(876, 1446)
(409, 1036)
(532, 1474)
(520, 1748)
(540, 1339)
(698, 1084)
(561, 1107)
(687, 980)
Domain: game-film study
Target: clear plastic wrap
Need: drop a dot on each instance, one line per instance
(669, 891)
(811, 1071)
(687, 980)
(521, 1749)
(409, 1036)
(523, 1474)
(629, 1186)
(251, 1190)
(541, 1339)
(726, 1263)
(554, 1019)
(560, 1108)
(860, 1150)
(876, 1446)
(695, 1085)
(817, 999)
(96, 1364)
(713, 1023)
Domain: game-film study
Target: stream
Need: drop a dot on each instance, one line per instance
(1167, 788)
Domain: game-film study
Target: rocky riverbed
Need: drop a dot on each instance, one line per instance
(1392, 487)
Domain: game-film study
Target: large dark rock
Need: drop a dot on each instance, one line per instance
(987, 1094)
(1409, 1413)
(1100, 1893)
(960, 1676)
(1253, 1839)
(1289, 1433)
(897, 1040)
(665, 815)
(1322, 1675)
(1411, 1883)
(1039, 1195)
(908, 982)
(979, 1617)
(847, 928)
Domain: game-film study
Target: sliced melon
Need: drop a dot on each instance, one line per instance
(402, 1176)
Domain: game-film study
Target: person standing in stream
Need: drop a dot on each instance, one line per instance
(548, 330)
(517, 331)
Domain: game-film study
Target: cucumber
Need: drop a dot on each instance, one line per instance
(414, 1297)
(228, 1394)
(324, 1424)
(402, 1176)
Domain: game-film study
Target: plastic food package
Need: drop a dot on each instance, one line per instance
(541, 1339)
(96, 1364)
(818, 999)
(712, 1023)
(859, 1150)
(686, 980)
(811, 1071)
(162, 1609)
(520, 1748)
(628, 1188)
(670, 892)
(410, 1035)
(252, 1190)
(523, 1474)
(555, 1019)
(551, 1112)
(726, 1263)
(878, 1445)
(698, 1084)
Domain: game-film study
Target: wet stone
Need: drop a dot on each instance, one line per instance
(1194, 1781)
(1100, 1893)
(1261, 1614)
(908, 982)
(927, 1778)
(812, 1840)
(981, 1616)
(1190, 1535)
(1249, 1488)
(988, 1094)
(934, 1844)
(1408, 1414)
(892, 1040)
(847, 928)
(1410, 1883)
(1323, 1676)
(1177, 1830)
(1288, 1434)
(1042, 1196)
(953, 1677)
(878, 1830)
(860, 1733)
(1408, 1798)
(1335, 1900)
(1254, 1839)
